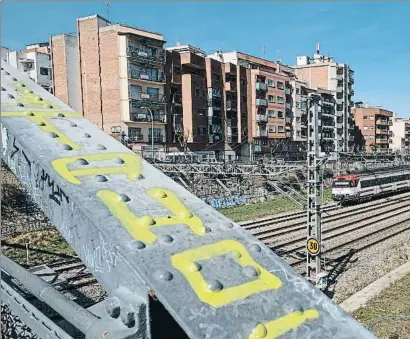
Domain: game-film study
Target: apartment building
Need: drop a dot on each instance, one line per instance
(33, 60)
(374, 124)
(400, 134)
(323, 72)
(66, 70)
(204, 100)
(267, 119)
(121, 79)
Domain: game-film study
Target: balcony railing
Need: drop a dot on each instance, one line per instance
(136, 138)
(157, 138)
(382, 122)
(145, 54)
(146, 117)
(231, 105)
(288, 105)
(288, 120)
(287, 91)
(261, 118)
(382, 131)
(261, 133)
(138, 75)
(145, 97)
(261, 102)
(176, 99)
(260, 86)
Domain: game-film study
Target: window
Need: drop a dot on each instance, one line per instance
(280, 100)
(135, 91)
(271, 83)
(157, 135)
(177, 70)
(297, 104)
(298, 133)
(134, 134)
(280, 85)
(201, 130)
(153, 92)
(199, 93)
(243, 98)
(365, 128)
(297, 119)
(280, 114)
(281, 129)
(272, 128)
(365, 117)
(271, 98)
(297, 90)
(271, 113)
(43, 71)
(216, 77)
(201, 111)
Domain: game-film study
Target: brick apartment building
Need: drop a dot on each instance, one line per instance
(374, 124)
(120, 76)
(321, 72)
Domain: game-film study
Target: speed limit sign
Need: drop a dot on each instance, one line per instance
(313, 246)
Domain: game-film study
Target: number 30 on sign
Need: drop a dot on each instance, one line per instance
(313, 246)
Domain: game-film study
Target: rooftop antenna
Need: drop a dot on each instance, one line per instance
(279, 58)
(107, 6)
(264, 52)
(177, 42)
(317, 48)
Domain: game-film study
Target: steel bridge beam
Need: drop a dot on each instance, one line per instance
(140, 233)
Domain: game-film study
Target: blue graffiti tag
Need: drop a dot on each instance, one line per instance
(224, 202)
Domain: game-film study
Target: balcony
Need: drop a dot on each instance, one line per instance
(139, 75)
(339, 125)
(351, 138)
(352, 92)
(230, 68)
(231, 105)
(261, 133)
(288, 105)
(230, 86)
(287, 91)
(144, 54)
(382, 122)
(193, 60)
(288, 120)
(263, 118)
(260, 86)
(382, 131)
(148, 98)
(176, 99)
(261, 102)
(140, 115)
(159, 139)
(382, 141)
(176, 78)
(351, 77)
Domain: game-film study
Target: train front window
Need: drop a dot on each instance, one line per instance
(342, 184)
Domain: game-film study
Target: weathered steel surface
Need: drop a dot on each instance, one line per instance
(139, 232)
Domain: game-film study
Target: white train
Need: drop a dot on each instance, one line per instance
(358, 187)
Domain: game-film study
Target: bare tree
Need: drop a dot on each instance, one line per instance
(184, 139)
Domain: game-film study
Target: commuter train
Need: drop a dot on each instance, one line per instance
(359, 187)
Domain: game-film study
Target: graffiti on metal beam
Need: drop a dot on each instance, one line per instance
(101, 258)
(43, 181)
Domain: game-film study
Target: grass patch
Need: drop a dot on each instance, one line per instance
(393, 301)
(278, 204)
(48, 240)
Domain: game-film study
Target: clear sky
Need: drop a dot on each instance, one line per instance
(372, 37)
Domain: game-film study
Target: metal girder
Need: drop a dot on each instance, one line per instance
(141, 233)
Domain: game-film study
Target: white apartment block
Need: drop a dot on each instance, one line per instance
(321, 72)
(34, 60)
(400, 135)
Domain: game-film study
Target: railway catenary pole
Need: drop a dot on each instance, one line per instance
(314, 231)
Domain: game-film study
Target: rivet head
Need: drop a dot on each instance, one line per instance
(82, 162)
(112, 306)
(255, 248)
(20, 104)
(125, 197)
(10, 96)
(215, 285)
(60, 115)
(231, 225)
(6, 73)
(101, 147)
(20, 85)
(37, 98)
(67, 147)
(194, 267)
(100, 178)
(3, 89)
(47, 106)
(259, 332)
(163, 275)
(15, 79)
(251, 271)
(52, 134)
(128, 316)
(166, 238)
(185, 214)
(30, 114)
(146, 221)
(27, 91)
(41, 124)
(118, 160)
(159, 194)
(139, 245)
(235, 254)
(72, 124)
(86, 135)
(207, 229)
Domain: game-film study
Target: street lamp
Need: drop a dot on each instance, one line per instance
(152, 131)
